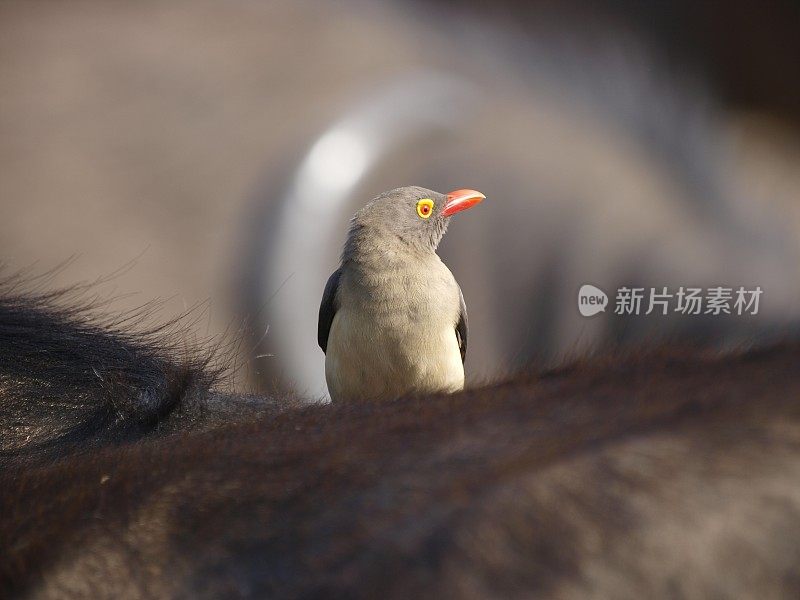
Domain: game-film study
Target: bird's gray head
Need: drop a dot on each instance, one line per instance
(410, 216)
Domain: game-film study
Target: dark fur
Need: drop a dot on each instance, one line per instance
(662, 475)
(71, 382)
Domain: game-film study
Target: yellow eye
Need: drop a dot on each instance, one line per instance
(425, 208)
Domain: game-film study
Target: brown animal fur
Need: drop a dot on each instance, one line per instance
(660, 475)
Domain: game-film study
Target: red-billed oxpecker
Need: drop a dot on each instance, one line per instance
(393, 319)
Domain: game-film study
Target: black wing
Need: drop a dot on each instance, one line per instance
(327, 309)
(461, 327)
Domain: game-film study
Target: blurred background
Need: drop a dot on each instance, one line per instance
(213, 151)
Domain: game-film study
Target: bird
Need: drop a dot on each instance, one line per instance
(392, 320)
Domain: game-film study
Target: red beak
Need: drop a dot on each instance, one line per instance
(459, 200)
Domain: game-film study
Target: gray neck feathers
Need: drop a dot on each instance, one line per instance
(366, 243)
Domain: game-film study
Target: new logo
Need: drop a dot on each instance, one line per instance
(591, 300)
